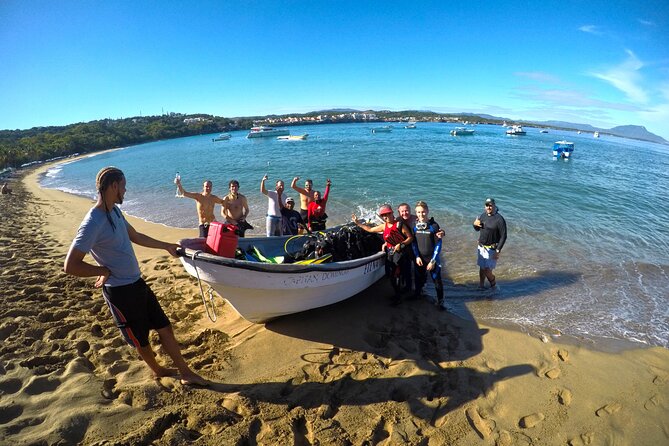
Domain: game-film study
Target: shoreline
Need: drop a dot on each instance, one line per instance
(357, 372)
(172, 233)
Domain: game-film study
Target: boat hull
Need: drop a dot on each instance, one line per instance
(268, 133)
(260, 292)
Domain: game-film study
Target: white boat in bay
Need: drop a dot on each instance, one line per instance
(264, 131)
(596, 134)
(293, 137)
(410, 125)
(462, 131)
(384, 129)
(222, 137)
(515, 130)
(261, 291)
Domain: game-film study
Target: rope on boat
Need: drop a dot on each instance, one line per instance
(285, 245)
(210, 291)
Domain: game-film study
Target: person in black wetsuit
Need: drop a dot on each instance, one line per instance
(491, 227)
(427, 247)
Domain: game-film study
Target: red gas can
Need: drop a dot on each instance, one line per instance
(222, 239)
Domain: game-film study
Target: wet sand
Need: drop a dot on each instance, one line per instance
(359, 372)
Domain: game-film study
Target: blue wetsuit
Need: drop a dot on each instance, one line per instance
(427, 246)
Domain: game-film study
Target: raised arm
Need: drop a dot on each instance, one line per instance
(262, 185)
(185, 193)
(377, 228)
(327, 192)
(294, 185)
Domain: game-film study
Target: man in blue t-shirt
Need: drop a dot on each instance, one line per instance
(108, 237)
(291, 222)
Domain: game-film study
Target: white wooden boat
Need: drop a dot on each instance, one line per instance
(596, 134)
(260, 292)
(384, 129)
(410, 125)
(462, 131)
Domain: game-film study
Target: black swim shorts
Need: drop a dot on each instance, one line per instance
(136, 310)
(204, 230)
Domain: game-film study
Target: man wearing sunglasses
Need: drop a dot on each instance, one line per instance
(491, 227)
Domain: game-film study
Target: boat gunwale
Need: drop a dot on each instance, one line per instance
(274, 268)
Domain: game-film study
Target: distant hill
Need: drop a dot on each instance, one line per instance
(626, 131)
(636, 132)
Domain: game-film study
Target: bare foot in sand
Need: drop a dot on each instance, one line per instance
(163, 372)
(193, 379)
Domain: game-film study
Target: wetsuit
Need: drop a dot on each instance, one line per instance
(427, 246)
(316, 216)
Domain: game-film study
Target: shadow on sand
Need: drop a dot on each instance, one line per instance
(415, 337)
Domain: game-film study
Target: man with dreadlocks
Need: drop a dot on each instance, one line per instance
(108, 237)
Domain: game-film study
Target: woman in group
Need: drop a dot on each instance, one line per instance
(316, 216)
(397, 237)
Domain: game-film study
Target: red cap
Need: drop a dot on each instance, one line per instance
(385, 209)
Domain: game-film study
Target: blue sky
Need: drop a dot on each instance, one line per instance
(604, 63)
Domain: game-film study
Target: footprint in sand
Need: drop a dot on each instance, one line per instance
(482, 427)
(564, 397)
(381, 431)
(532, 420)
(609, 409)
(9, 413)
(553, 373)
(9, 386)
(652, 402)
(41, 384)
(582, 440)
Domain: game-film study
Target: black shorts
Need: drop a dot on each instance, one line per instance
(204, 230)
(135, 310)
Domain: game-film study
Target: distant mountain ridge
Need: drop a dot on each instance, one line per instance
(626, 131)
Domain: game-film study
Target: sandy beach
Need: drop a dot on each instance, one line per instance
(357, 373)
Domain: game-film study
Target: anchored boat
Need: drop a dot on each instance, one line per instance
(462, 131)
(264, 131)
(563, 149)
(222, 137)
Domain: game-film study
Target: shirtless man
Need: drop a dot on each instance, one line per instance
(236, 208)
(306, 195)
(205, 202)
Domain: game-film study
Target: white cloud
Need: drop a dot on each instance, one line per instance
(626, 78)
(591, 29)
(646, 22)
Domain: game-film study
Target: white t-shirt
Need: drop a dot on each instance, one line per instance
(273, 208)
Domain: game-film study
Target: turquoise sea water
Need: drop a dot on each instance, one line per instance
(588, 246)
